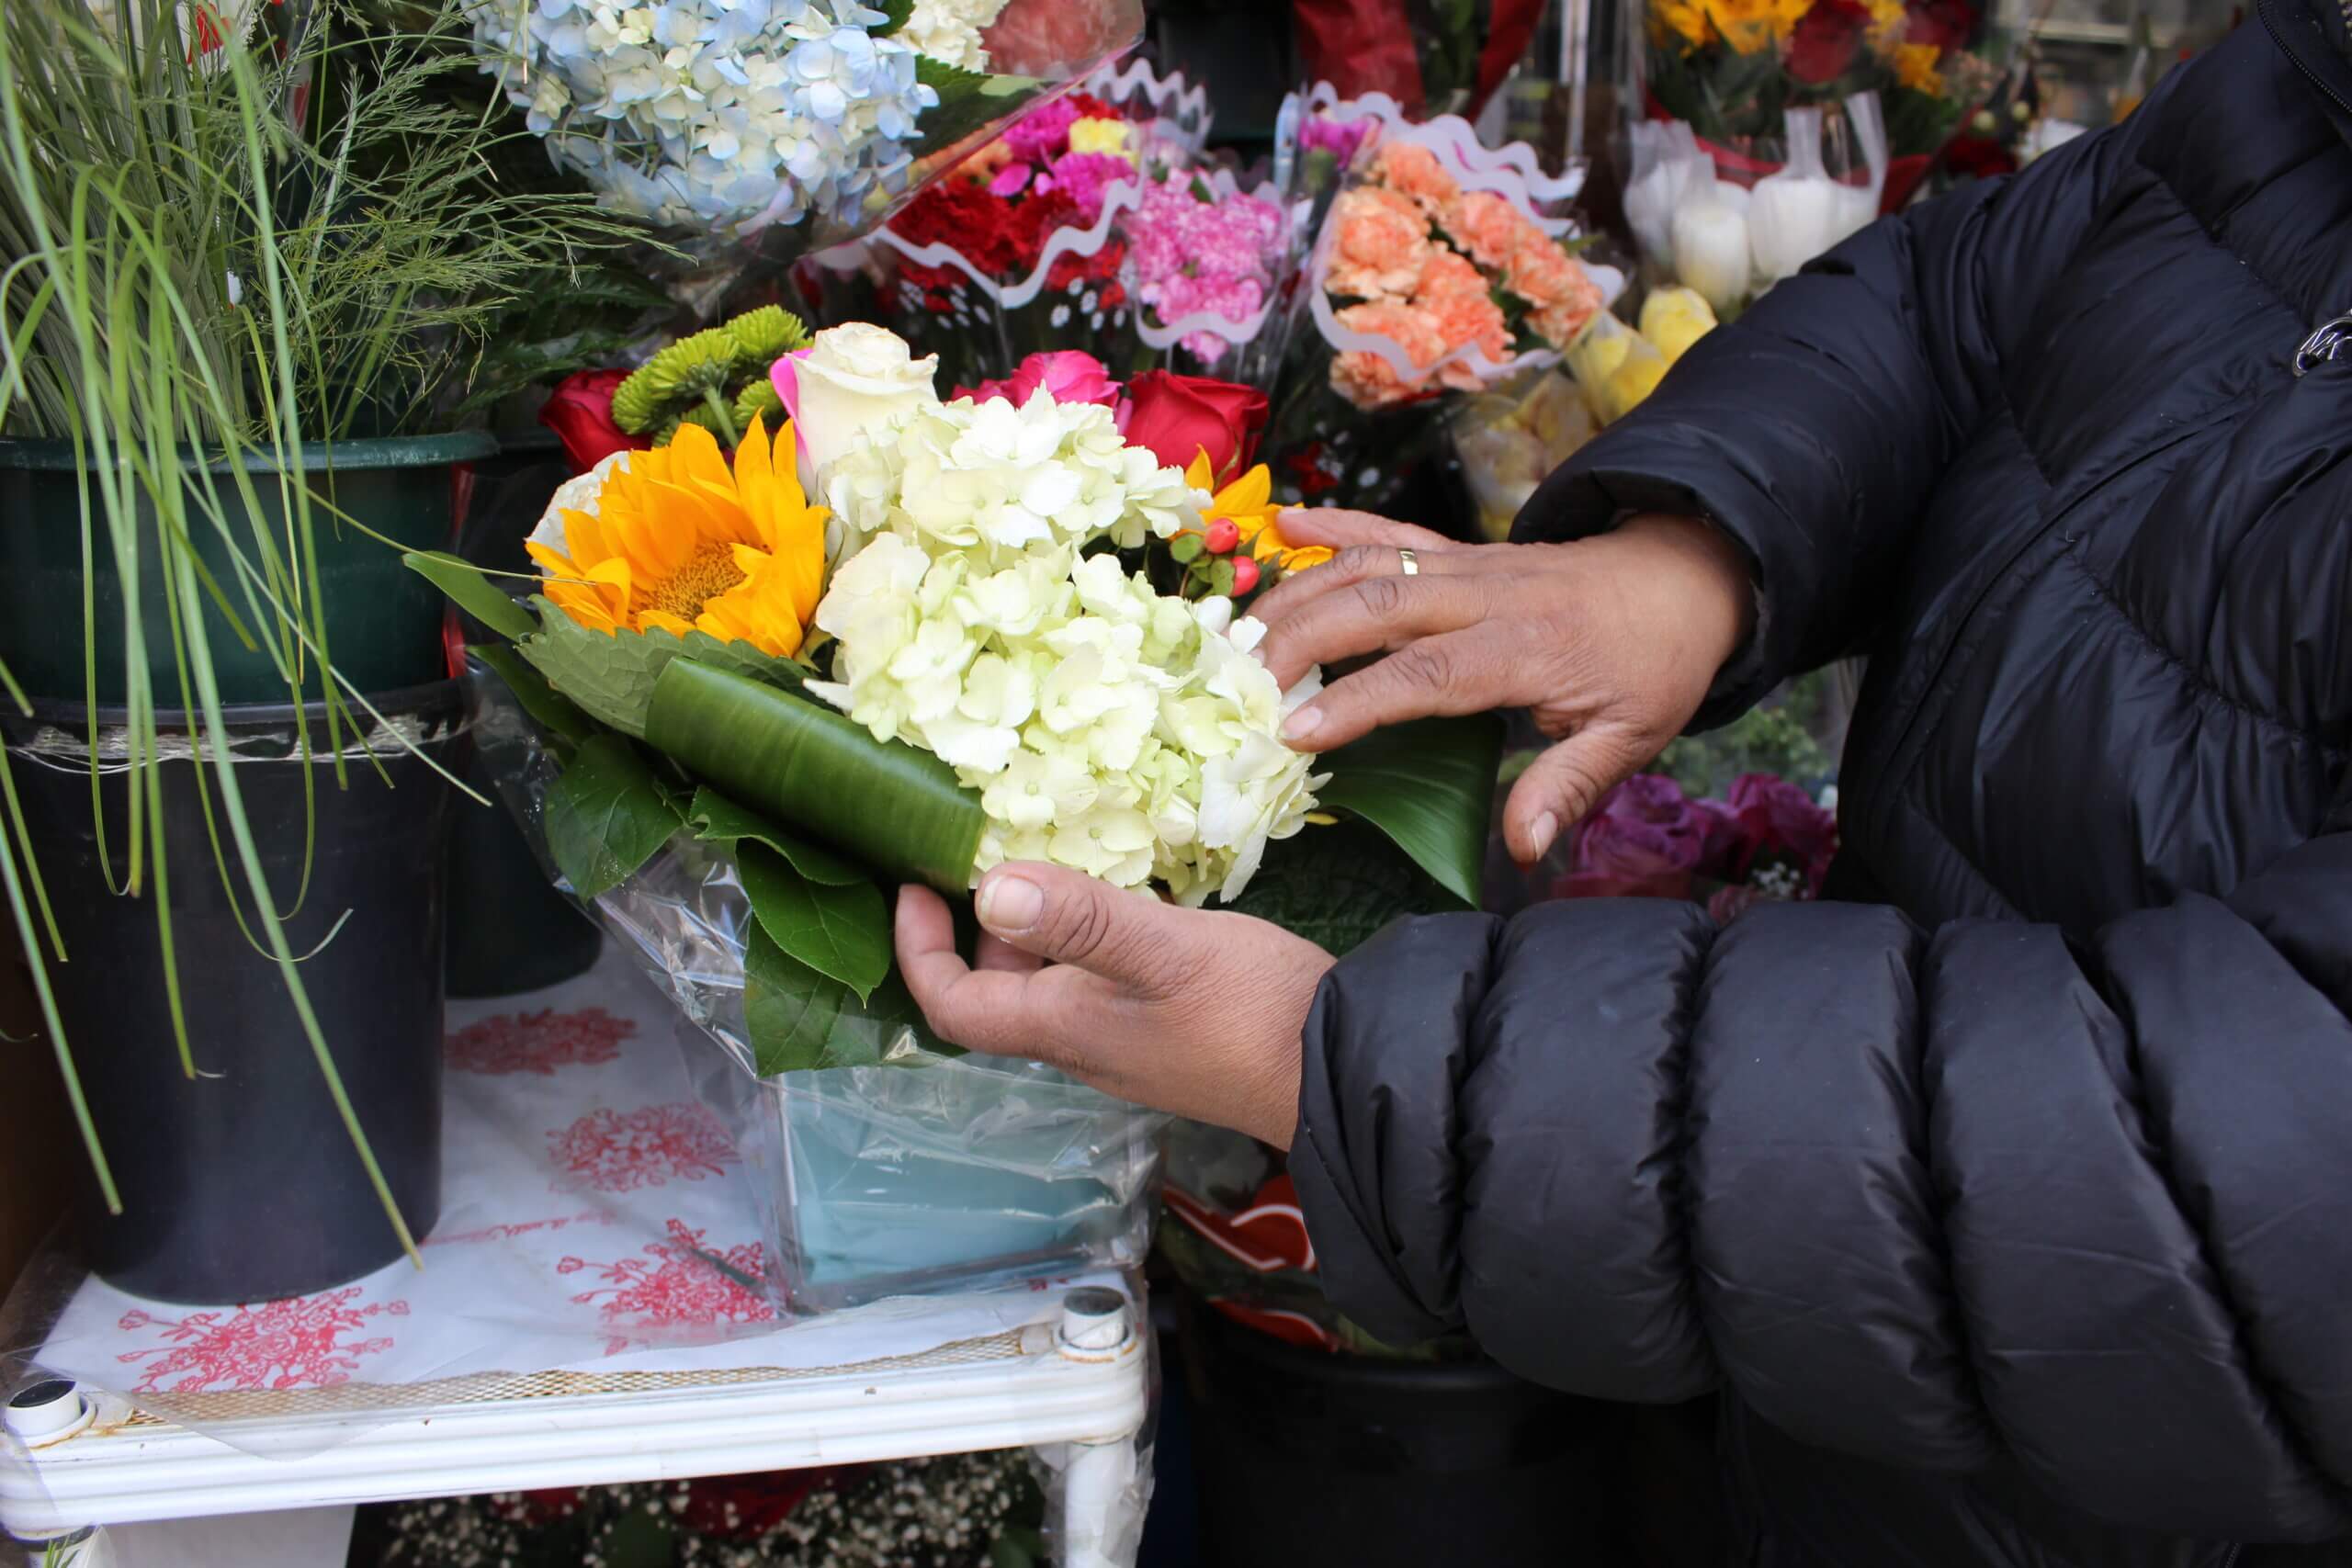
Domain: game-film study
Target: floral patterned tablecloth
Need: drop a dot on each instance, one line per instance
(595, 1218)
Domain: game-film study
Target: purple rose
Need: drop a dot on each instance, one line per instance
(1778, 824)
(1646, 839)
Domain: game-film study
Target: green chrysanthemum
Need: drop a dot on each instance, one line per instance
(757, 398)
(680, 376)
(765, 336)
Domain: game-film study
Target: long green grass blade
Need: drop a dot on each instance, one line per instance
(897, 809)
(473, 593)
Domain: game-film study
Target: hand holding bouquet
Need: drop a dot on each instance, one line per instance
(911, 639)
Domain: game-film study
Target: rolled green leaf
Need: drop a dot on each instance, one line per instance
(471, 591)
(899, 810)
(1430, 786)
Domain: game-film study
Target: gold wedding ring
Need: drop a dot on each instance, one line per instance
(1409, 561)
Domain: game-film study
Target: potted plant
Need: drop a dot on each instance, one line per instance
(255, 247)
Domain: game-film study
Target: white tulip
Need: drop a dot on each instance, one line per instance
(1800, 212)
(1711, 249)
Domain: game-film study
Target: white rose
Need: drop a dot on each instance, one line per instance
(856, 379)
(578, 493)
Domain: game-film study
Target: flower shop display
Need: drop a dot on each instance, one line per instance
(214, 385)
(1732, 71)
(791, 124)
(1436, 274)
(905, 638)
(1508, 441)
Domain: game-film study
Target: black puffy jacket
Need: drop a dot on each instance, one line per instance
(2012, 1215)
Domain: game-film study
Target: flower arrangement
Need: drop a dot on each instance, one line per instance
(1733, 68)
(1207, 261)
(907, 637)
(716, 117)
(1435, 275)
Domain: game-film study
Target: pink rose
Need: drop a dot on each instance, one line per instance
(1067, 375)
(1778, 823)
(1646, 839)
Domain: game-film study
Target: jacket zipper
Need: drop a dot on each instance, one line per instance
(2271, 26)
(2232, 1560)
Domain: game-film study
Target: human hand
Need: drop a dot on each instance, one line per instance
(1611, 642)
(1193, 1011)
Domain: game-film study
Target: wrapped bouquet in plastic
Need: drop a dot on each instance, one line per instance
(775, 127)
(893, 638)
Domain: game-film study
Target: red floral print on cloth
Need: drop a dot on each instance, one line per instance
(525, 1227)
(620, 1150)
(538, 1041)
(686, 1285)
(301, 1343)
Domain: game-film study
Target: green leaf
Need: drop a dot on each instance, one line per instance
(1430, 786)
(471, 591)
(548, 707)
(969, 101)
(605, 817)
(842, 933)
(718, 820)
(894, 16)
(897, 809)
(802, 1021)
(1337, 885)
(611, 675)
(1185, 548)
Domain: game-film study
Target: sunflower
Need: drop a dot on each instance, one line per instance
(1248, 503)
(680, 542)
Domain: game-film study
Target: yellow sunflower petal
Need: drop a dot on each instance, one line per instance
(755, 483)
(1199, 476)
(695, 455)
(1250, 492)
(661, 620)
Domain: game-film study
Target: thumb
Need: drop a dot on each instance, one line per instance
(1561, 787)
(1066, 917)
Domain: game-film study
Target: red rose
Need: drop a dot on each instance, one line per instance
(1823, 46)
(1947, 24)
(1177, 416)
(579, 411)
(1978, 157)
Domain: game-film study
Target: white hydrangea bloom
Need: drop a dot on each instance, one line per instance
(1106, 726)
(949, 30)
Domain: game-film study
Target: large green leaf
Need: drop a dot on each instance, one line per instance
(897, 809)
(800, 1020)
(605, 817)
(718, 820)
(612, 674)
(471, 591)
(1337, 885)
(844, 932)
(1430, 786)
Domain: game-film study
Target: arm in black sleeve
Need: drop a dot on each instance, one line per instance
(1814, 428)
(1917, 1196)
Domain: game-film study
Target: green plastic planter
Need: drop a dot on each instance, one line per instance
(383, 621)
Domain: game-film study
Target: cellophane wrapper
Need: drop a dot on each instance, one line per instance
(925, 1171)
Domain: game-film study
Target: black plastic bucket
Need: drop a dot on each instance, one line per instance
(1305, 1456)
(241, 1184)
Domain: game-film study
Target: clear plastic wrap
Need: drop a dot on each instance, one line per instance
(925, 1169)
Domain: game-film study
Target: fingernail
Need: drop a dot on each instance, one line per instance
(1546, 829)
(1011, 904)
(1302, 723)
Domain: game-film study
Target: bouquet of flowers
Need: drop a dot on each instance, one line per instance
(1431, 57)
(903, 639)
(1436, 276)
(792, 123)
(1207, 265)
(1732, 69)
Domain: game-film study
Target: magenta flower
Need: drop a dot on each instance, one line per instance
(1067, 375)
(1043, 133)
(1646, 839)
(1084, 178)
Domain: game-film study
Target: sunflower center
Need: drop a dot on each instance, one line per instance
(708, 573)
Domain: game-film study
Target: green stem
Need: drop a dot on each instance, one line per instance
(723, 414)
